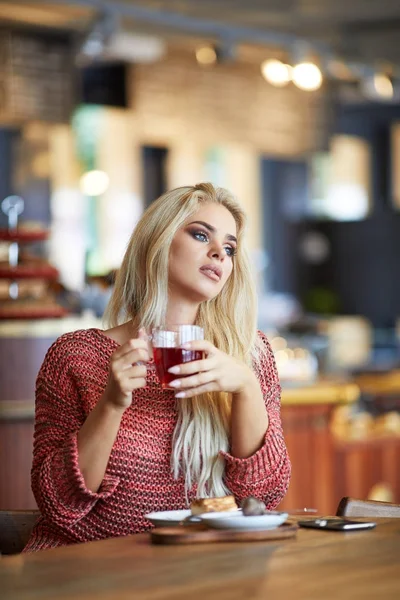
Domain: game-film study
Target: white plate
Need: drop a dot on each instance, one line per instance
(239, 522)
(167, 518)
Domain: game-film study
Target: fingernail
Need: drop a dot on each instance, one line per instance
(174, 370)
(187, 346)
(175, 383)
(180, 395)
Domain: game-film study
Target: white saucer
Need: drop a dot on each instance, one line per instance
(167, 518)
(239, 522)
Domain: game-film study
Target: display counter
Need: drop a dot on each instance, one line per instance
(23, 345)
(323, 391)
(339, 447)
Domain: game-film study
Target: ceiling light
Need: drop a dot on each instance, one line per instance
(135, 48)
(206, 55)
(307, 76)
(377, 86)
(383, 85)
(96, 39)
(94, 183)
(276, 72)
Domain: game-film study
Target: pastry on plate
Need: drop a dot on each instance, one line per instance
(206, 505)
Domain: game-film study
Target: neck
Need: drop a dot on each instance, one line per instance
(180, 313)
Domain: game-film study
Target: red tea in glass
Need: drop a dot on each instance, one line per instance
(165, 358)
(167, 351)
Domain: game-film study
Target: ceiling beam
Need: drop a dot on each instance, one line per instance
(199, 26)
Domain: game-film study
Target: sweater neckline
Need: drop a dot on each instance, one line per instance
(101, 333)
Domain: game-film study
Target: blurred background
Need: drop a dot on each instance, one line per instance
(294, 105)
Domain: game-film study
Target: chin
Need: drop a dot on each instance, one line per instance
(203, 294)
(195, 291)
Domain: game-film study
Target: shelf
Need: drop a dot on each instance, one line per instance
(28, 272)
(19, 268)
(22, 235)
(35, 311)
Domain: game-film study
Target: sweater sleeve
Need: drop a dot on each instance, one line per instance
(266, 473)
(57, 482)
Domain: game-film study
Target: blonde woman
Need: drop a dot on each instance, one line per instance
(110, 444)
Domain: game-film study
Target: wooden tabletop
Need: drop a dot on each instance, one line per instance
(314, 565)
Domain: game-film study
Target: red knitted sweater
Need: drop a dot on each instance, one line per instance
(138, 478)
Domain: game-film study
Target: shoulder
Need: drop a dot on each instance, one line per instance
(83, 345)
(81, 339)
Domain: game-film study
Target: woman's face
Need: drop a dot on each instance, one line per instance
(202, 254)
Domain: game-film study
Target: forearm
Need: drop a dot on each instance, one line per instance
(249, 420)
(95, 441)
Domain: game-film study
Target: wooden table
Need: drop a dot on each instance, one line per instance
(314, 565)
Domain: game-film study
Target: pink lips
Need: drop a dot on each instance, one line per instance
(212, 271)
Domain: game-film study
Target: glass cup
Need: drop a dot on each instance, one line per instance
(167, 351)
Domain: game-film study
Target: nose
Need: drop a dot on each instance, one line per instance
(217, 251)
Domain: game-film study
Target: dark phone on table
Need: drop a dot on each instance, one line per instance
(336, 524)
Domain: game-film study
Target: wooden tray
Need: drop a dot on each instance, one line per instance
(197, 534)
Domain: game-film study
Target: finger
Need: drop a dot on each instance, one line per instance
(134, 371)
(126, 379)
(212, 386)
(134, 356)
(128, 386)
(133, 344)
(194, 381)
(139, 382)
(203, 345)
(193, 366)
(143, 335)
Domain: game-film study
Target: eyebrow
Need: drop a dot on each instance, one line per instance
(212, 229)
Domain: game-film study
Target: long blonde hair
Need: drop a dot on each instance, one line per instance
(229, 322)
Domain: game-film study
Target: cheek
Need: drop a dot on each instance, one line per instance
(181, 258)
(228, 272)
(182, 247)
(176, 253)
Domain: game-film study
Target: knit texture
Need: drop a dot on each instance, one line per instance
(138, 478)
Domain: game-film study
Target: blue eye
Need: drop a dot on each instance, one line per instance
(200, 235)
(230, 250)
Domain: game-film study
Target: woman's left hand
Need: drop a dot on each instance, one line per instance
(217, 372)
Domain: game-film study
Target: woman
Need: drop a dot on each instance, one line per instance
(111, 445)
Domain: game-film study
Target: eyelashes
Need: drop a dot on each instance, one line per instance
(232, 251)
(201, 236)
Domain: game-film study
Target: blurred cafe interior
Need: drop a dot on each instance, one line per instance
(295, 107)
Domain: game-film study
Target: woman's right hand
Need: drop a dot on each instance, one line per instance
(126, 373)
